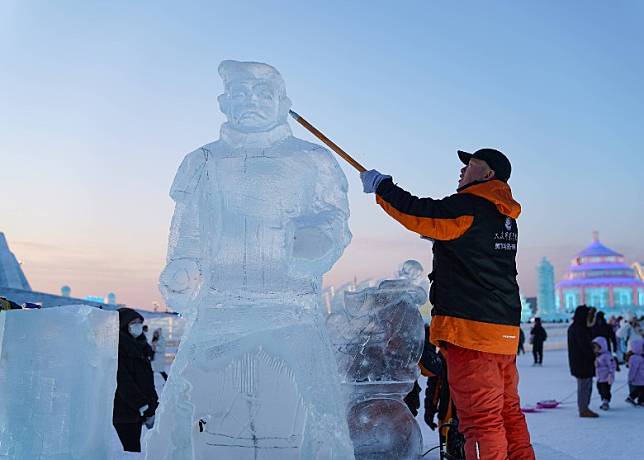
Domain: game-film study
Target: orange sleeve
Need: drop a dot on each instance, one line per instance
(445, 219)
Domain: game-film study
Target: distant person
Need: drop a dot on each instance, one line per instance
(628, 331)
(538, 335)
(605, 367)
(136, 399)
(143, 341)
(158, 347)
(636, 374)
(603, 329)
(581, 357)
(521, 349)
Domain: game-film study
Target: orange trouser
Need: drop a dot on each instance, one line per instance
(484, 389)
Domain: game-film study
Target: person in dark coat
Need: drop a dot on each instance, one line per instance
(605, 330)
(429, 365)
(538, 335)
(581, 357)
(143, 341)
(136, 399)
(521, 349)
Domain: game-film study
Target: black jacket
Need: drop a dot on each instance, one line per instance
(134, 377)
(147, 348)
(474, 274)
(538, 334)
(603, 329)
(581, 357)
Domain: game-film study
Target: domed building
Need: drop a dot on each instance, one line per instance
(599, 277)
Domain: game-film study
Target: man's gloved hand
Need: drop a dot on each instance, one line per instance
(149, 422)
(371, 180)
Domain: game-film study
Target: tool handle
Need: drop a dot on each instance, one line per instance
(327, 141)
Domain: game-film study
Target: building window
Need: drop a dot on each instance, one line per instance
(623, 297)
(597, 297)
(570, 299)
(640, 294)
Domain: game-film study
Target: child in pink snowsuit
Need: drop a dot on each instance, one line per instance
(636, 373)
(605, 367)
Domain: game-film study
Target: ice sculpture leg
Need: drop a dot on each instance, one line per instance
(57, 378)
(261, 393)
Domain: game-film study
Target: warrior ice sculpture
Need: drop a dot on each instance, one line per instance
(378, 340)
(260, 217)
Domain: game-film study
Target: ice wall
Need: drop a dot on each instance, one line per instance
(57, 383)
(378, 338)
(260, 216)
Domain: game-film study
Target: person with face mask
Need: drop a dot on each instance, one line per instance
(135, 400)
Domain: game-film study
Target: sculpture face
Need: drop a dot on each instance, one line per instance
(255, 98)
(252, 105)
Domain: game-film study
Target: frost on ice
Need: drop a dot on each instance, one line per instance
(57, 381)
(378, 339)
(260, 216)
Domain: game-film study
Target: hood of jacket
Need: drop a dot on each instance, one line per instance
(581, 315)
(496, 192)
(600, 318)
(126, 315)
(603, 344)
(638, 346)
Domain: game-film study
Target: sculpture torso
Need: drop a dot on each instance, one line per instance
(254, 194)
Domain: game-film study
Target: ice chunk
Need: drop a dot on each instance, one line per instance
(57, 380)
(260, 216)
(378, 337)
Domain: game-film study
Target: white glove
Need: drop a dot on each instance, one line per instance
(142, 409)
(371, 180)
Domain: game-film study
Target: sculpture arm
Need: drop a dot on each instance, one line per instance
(180, 280)
(322, 233)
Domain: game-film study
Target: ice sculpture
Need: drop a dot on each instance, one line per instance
(260, 216)
(378, 340)
(57, 383)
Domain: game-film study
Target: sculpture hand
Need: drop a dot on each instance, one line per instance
(179, 282)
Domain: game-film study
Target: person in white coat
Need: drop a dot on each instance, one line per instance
(158, 346)
(629, 331)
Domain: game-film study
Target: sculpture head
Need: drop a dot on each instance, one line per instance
(254, 98)
(411, 270)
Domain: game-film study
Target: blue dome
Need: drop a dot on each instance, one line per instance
(596, 249)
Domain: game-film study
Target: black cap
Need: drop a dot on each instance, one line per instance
(495, 160)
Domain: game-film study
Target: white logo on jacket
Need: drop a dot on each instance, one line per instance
(508, 223)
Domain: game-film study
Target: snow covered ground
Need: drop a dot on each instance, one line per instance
(557, 434)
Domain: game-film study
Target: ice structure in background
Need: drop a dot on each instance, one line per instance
(260, 216)
(57, 383)
(378, 340)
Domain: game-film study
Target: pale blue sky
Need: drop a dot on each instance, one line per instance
(100, 101)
